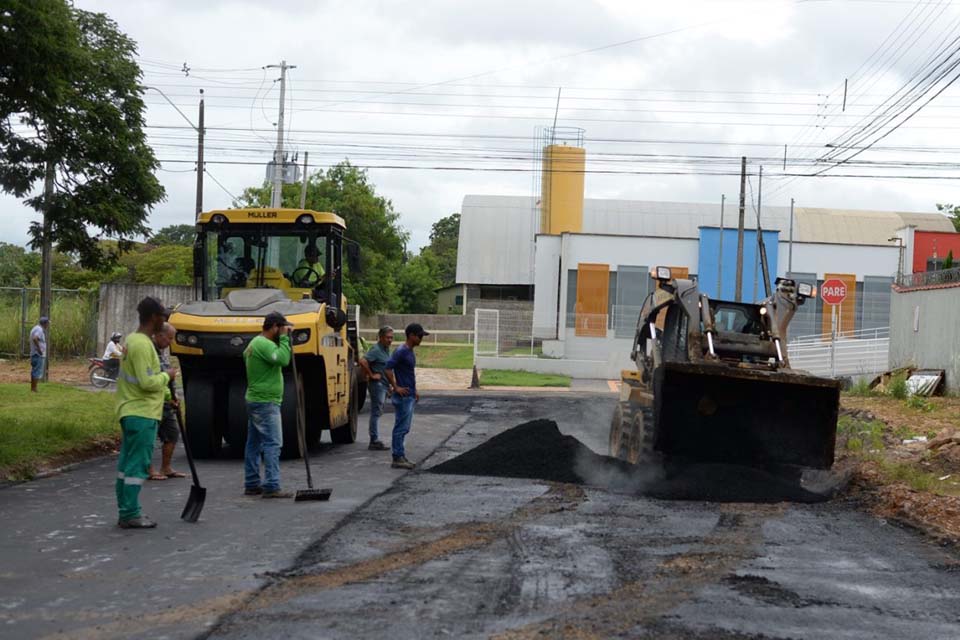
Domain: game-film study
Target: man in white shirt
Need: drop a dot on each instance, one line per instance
(113, 353)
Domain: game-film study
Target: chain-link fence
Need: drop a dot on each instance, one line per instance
(73, 321)
(505, 333)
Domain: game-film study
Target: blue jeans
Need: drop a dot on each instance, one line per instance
(403, 406)
(36, 366)
(264, 438)
(378, 395)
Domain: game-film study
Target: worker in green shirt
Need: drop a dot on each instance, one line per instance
(309, 271)
(265, 357)
(142, 389)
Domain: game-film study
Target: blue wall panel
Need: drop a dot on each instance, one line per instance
(752, 272)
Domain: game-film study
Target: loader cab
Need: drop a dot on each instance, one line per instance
(298, 252)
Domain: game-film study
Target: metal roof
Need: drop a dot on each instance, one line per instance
(496, 240)
(496, 232)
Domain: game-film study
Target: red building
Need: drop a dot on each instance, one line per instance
(934, 245)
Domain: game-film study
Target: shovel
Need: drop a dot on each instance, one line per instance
(198, 494)
(309, 493)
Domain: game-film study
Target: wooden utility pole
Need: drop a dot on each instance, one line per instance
(743, 201)
(46, 258)
(200, 167)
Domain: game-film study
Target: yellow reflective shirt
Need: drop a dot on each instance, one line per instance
(141, 385)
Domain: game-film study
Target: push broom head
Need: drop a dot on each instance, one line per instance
(312, 494)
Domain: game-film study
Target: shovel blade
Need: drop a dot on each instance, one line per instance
(191, 512)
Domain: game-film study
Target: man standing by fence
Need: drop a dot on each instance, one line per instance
(373, 364)
(38, 351)
(401, 371)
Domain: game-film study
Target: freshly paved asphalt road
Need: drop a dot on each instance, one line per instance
(65, 568)
(417, 555)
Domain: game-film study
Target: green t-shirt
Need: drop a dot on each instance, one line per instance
(141, 385)
(265, 359)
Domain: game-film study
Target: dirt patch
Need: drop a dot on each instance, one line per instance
(537, 450)
(906, 462)
(72, 371)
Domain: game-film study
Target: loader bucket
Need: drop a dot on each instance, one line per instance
(717, 413)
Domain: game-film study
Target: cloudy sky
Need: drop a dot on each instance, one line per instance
(443, 98)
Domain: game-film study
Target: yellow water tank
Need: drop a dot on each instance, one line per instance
(561, 203)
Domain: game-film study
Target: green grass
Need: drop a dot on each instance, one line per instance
(862, 389)
(861, 436)
(430, 357)
(898, 387)
(35, 427)
(502, 378)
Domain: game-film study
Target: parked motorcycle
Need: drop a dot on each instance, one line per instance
(103, 373)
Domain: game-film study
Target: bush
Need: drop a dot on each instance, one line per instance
(897, 387)
(73, 318)
(919, 403)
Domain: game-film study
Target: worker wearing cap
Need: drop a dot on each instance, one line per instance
(265, 357)
(401, 372)
(142, 389)
(309, 270)
(38, 351)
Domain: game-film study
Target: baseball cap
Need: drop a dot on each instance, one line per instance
(415, 329)
(275, 318)
(44, 320)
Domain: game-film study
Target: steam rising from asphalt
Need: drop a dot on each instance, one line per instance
(618, 478)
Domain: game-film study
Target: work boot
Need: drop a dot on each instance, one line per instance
(277, 493)
(402, 463)
(253, 491)
(376, 445)
(140, 522)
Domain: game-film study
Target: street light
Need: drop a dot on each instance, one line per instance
(899, 242)
(199, 130)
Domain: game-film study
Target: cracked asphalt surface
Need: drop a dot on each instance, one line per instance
(426, 555)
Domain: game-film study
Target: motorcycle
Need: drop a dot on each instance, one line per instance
(103, 373)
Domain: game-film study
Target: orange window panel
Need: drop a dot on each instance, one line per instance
(593, 282)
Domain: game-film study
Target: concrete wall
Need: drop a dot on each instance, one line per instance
(925, 331)
(118, 306)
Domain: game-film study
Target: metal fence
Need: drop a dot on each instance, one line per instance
(853, 353)
(73, 321)
(927, 278)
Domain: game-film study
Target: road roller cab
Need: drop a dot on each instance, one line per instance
(248, 263)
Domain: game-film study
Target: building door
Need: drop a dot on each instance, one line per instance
(593, 282)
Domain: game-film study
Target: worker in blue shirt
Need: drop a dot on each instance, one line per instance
(401, 372)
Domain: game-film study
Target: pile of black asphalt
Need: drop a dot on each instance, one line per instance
(539, 451)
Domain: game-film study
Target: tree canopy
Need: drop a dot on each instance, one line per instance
(444, 238)
(371, 221)
(953, 211)
(179, 234)
(71, 99)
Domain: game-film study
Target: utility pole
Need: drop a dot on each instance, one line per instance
(275, 201)
(761, 247)
(46, 259)
(790, 252)
(200, 167)
(723, 200)
(303, 183)
(743, 202)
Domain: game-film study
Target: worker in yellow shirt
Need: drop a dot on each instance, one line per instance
(142, 389)
(309, 271)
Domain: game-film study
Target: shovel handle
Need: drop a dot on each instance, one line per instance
(183, 437)
(301, 428)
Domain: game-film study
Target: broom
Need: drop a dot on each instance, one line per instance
(310, 493)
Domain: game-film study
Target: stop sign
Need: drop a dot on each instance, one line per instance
(833, 291)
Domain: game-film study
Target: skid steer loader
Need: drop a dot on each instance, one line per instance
(715, 385)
